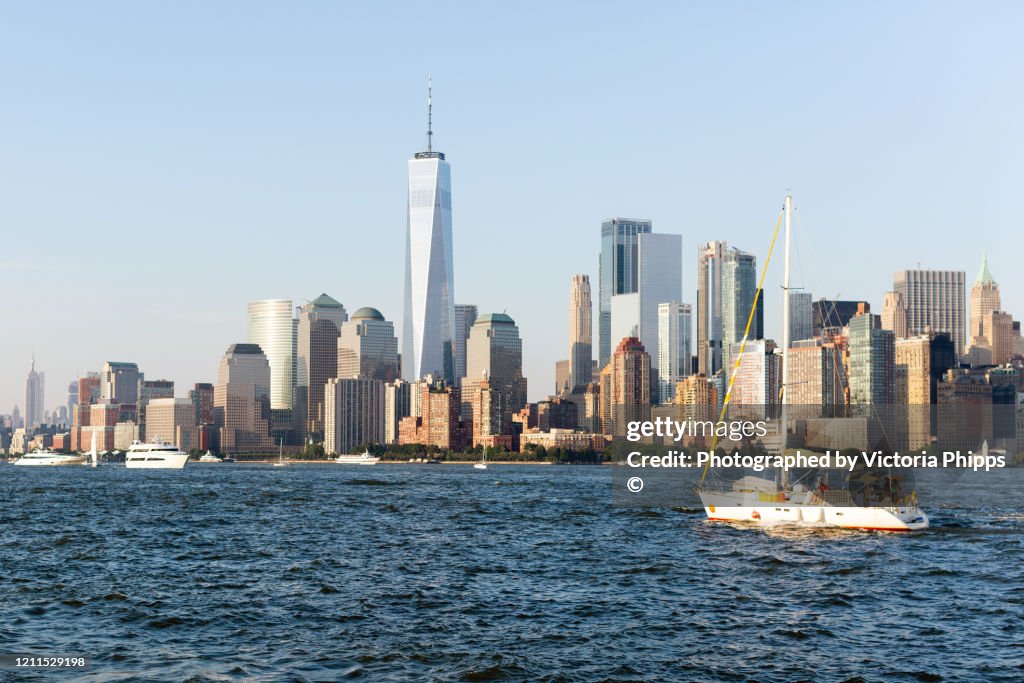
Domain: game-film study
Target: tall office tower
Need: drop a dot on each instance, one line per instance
(618, 273)
(709, 307)
(465, 316)
(354, 414)
(659, 280)
(801, 315)
(625, 387)
(758, 382)
(72, 397)
(581, 330)
(998, 328)
(150, 389)
(817, 379)
(316, 360)
(739, 285)
(935, 302)
(368, 348)
(984, 299)
(241, 399)
(872, 362)
(119, 383)
(397, 405)
(16, 421)
(562, 382)
(494, 354)
(428, 326)
(271, 327)
(35, 385)
(894, 314)
(915, 389)
(201, 396)
(674, 347)
(173, 419)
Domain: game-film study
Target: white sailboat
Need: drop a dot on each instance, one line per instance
(94, 456)
(281, 462)
(766, 501)
(482, 465)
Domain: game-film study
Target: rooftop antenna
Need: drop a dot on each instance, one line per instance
(430, 125)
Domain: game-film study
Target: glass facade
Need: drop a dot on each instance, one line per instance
(465, 316)
(495, 354)
(271, 327)
(241, 399)
(709, 307)
(674, 347)
(739, 285)
(368, 348)
(935, 302)
(428, 326)
(618, 273)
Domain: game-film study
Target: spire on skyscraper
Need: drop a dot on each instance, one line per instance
(430, 122)
(984, 275)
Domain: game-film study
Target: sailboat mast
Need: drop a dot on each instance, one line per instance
(786, 341)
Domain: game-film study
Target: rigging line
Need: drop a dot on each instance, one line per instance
(743, 344)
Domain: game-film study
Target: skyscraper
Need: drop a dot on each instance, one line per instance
(271, 327)
(934, 301)
(894, 314)
(984, 299)
(872, 362)
(494, 355)
(119, 382)
(319, 324)
(618, 273)
(368, 348)
(465, 316)
(241, 399)
(659, 280)
(428, 326)
(625, 387)
(709, 307)
(35, 385)
(801, 316)
(674, 347)
(354, 413)
(581, 350)
(739, 285)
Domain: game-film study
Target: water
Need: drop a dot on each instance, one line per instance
(319, 573)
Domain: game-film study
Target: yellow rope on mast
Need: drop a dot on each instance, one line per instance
(743, 344)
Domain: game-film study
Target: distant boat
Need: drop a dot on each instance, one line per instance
(156, 455)
(209, 457)
(482, 465)
(363, 458)
(93, 455)
(45, 457)
(281, 462)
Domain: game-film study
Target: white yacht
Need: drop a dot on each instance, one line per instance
(45, 457)
(155, 455)
(209, 457)
(363, 458)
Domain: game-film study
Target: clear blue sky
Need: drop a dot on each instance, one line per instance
(163, 164)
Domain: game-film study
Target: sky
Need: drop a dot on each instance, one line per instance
(163, 164)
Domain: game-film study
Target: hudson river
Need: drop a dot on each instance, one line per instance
(519, 573)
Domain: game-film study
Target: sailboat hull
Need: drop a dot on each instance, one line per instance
(744, 506)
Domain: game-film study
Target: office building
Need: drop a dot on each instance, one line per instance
(935, 302)
(618, 273)
(894, 314)
(801, 315)
(581, 351)
(174, 420)
(674, 347)
(984, 300)
(316, 360)
(465, 316)
(35, 386)
(368, 347)
(397, 406)
(428, 326)
(710, 257)
(241, 399)
(494, 355)
(625, 391)
(739, 287)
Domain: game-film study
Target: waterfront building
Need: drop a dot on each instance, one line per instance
(438, 424)
(318, 326)
(935, 302)
(581, 351)
(355, 415)
(174, 420)
(625, 387)
(495, 355)
(428, 326)
(368, 348)
(618, 273)
(241, 399)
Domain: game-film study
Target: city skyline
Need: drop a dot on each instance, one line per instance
(346, 213)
